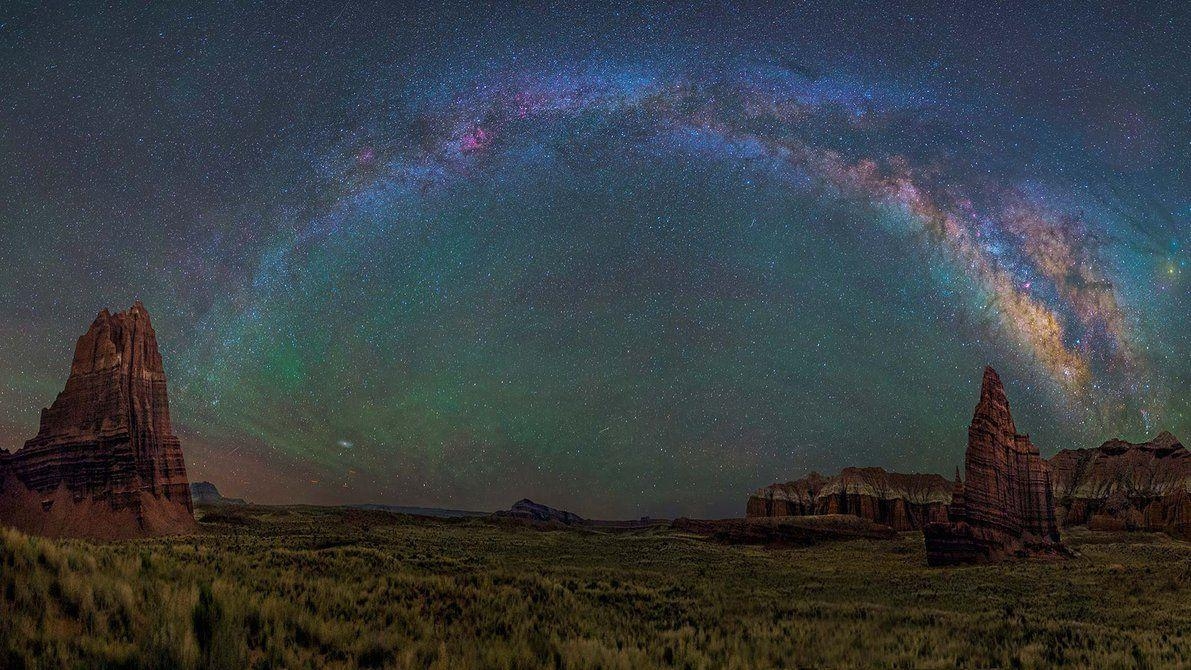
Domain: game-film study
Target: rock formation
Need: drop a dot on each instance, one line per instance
(206, 493)
(528, 510)
(105, 462)
(1005, 506)
(1125, 486)
(900, 501)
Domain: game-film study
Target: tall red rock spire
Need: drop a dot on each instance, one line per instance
(105, 461)
(1005, 506)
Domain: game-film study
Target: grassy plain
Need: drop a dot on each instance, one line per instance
(305, 587)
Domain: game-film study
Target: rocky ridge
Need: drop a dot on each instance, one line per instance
(1125, 486)
(901, 501)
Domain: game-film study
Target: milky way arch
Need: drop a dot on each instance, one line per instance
(1033, 263)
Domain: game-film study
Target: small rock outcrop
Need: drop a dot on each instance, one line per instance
(206, 493)
(1124, 486)
(901, 501)
(105, 463)
(1004, 507)
(528, 510)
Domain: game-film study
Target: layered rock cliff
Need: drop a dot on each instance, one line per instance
(105, 462)
(1124, 486)
(900, 501)
(1005, 506)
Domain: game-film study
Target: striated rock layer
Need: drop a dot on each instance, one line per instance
(900, 501)
(1124, 486)
(105, 462)
(1005, 508)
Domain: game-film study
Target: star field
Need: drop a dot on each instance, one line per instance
(626, 261)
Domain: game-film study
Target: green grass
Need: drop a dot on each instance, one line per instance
(310, 587)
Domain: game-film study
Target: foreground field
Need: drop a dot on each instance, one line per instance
(311, 587)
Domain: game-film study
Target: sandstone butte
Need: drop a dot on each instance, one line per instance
(105, 463)
(1005, 507)
(1124, 486)
(528, 510)
(900, 501)
(206, 493)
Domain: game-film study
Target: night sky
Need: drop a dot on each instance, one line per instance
(623, 261)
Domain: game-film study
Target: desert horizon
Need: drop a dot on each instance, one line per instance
(279, 492)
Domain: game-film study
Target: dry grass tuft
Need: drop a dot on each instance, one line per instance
(308, 587)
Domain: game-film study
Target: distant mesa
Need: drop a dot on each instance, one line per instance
(205, 493)
(528, 510)
(105, 463)
(765, 531)
(434, 512)
(900, 501)
(1124, 486)
(1004, 508)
